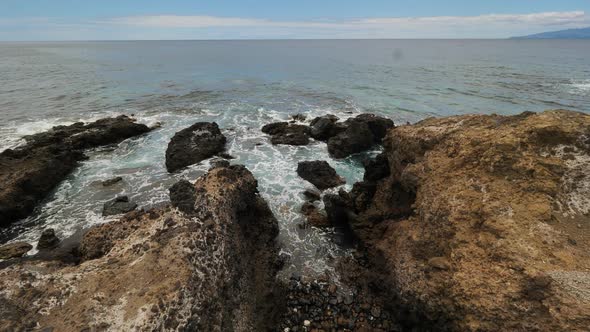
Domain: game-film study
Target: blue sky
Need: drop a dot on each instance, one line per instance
(224, 19)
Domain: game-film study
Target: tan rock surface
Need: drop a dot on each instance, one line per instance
(499, 237)
(212, 269)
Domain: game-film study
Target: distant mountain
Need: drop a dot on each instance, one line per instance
(583, 33)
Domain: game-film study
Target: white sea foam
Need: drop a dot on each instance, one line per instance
(77, 202)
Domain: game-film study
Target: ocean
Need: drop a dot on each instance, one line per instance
(243, 85)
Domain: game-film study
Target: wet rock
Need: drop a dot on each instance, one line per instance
(299, 117)
(182, 196)
(119, 205)
(110, 182)
(338, 209)
(324, 127)
(30, 172)
(320, 174)
(219, 163)
(287, 134)
(164, 262)
(312, 195)
(377, 125)
(356, 138)
(48, 239)
(314, 216)
(194, 144)
(14, 250)
(377, 168)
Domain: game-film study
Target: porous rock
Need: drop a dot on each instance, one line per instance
(472, 229)
(213, 269)
(30, 172)
(320, 174)
(194, 144)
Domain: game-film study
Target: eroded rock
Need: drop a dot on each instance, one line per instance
(287, 134)
(472, 229)
(14, 250)
(48, 239)
(213, 269)
(118, 205)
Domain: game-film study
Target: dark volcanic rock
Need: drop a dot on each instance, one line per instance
(194, 144)
(287, 134)
(112, 181)
(48, 239)
(377, 125)
(14, 250)
(320, 174)
(356, 138)
(312, 195)
(314, 216)
(338, 210)
(324, 127)
(376, 169)
(118, 205)
(182, 196)
(30, 172)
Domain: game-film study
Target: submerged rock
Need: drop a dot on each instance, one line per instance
(48, 239)
(14, 250)
(110, 182)
(472, 229)
(213, 269)
(320, 174)
(194, 144)
(30, 172)
(119, 205)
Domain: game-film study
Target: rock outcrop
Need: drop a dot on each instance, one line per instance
(320, 174)
(30, 172)
(48, 239)
(356, 134)
(194, 144)
(483, 222)
(14, 250)
(209, 266)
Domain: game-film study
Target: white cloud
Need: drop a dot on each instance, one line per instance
(179, 21)
(213, 27)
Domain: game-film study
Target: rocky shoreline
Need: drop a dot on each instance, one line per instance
(465, 223)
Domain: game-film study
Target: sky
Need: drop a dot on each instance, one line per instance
(42, 20)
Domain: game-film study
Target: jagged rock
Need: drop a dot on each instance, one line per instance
(356, 138)
(338, 210)
(377, 125)
(14, 250)
(313, 216)
(30, 172)
(48, 239)
(182, 196)
(119, 205)
(320, 174)
(287, 134)
(213, 269)
(324, 127)
(110, 182)
(472, 229)
(376, 169)
(299, 117)
(194, 144)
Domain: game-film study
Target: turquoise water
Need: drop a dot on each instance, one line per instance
(243, 85)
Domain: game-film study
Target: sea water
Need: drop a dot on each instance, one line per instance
(243, 85)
